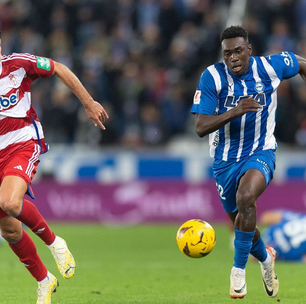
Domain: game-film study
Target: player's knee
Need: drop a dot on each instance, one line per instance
(245, 200)
(11, 234)
(11, 206)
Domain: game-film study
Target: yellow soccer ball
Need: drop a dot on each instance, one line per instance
(196, 238)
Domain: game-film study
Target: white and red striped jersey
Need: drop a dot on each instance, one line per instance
(18, 120)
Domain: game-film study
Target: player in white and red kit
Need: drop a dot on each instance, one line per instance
(21, 143)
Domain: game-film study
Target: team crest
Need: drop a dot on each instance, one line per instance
(259, 87)
(13, 79)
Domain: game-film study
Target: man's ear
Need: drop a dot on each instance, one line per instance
(250, 49)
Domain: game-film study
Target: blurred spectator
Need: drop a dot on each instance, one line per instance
(143, 57)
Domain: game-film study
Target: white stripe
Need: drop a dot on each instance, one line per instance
(227, 138)
(217, 80)
(23, 134)
(258, 113)
(214, 73)
(242, 125)
(270, 141)
(7, 85)
(32, 160)
(30, 166)
(20, 109)
(23, 56)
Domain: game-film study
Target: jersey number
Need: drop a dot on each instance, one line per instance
(221, 190)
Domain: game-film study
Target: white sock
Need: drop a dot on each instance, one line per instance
(53, 242)
(46, 279)
(268, 260)
(238, 269)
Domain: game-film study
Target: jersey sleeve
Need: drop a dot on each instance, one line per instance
(35, 66)
(285, 64)
(205, 98)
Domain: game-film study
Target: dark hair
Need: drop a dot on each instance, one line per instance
(233, 32)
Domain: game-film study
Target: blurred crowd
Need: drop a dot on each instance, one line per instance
(142, 60)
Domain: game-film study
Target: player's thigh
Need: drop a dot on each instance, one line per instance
(252, 184)
(13, 187)
(256, 173)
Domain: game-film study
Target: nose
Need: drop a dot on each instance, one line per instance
(233, 57)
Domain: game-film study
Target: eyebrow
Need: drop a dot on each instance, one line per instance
(235, 49)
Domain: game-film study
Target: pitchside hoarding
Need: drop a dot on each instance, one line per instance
(150, 201)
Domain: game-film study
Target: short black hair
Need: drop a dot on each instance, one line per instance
(233, 32)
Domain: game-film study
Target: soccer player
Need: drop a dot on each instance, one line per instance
(235, 102)
(285, 231)
(22, 142)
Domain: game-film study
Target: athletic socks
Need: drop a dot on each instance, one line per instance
(267, 262)
(25, 249)
(31, 217)
(243, 244)
(259, 250)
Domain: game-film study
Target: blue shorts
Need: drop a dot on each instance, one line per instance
(227, 175)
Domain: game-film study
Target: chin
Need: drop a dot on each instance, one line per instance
(240, 73)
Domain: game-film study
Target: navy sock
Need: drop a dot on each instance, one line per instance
(243, 245)
(259, 250)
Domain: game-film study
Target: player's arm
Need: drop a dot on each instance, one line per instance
(206, 124)
(271, 217)
(302, 66)
(93, 109)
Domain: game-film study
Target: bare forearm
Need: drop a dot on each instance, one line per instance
(72, 82)
(94, 110)
(302, 67)
(206, 124)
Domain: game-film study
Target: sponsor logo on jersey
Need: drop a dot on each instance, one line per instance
(6, 102)
(259, 87)
(43, 63)
(197, 97)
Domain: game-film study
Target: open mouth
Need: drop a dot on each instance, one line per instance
(236, 68)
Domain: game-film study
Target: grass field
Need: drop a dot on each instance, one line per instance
(142, 264)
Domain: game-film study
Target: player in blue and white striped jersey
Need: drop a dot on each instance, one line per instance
(285, 230)
(235, 102)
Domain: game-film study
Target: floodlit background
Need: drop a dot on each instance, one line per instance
(142, 60)
(118, 196)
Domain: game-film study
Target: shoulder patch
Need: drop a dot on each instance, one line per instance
(197, 97)
(43, 63)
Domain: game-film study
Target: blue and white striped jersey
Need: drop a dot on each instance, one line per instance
(288, 237)
(219, 90)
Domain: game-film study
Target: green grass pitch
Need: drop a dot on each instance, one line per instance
(142, 264)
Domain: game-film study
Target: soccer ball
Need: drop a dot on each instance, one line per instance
(196, 238)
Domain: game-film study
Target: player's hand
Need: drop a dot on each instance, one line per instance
(247, 105)
(97, 114)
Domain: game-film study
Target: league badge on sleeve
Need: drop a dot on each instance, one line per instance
(43, 63)
(197, 97)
